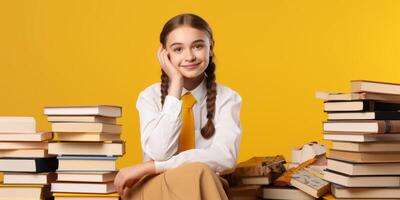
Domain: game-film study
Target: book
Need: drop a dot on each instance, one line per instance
(260, 180)
(22, 145)
(102, 188)
(331, 197)
(316, 167)
(370, 157)
(86, 176)
(377, 115)
(86, 127)
(99, 110)
(375, 87)
(29, 178)
(85, 198)
(337, 96)
(286, 177)
(244, 198)
(366, 146)
(260, 166)
(24, 191)
(82, 196)
(362, 181)
(307, 152)
(309, 183)
(380, 193)
(88, 137)
(86, 163)
(87, 148)
(366, 106)
(24, 153)
(285, 193)
(362, 137)
(363, 169)
(49, 164)
(362, 126)
(17, 124)
(96, 119)
(244, 192)
(22, 137)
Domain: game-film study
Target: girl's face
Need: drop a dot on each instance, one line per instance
(189, 50)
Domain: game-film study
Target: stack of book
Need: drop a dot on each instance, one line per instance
(364, 126)
(303, 178)
(87, 144)
(27, 166)
(310, 182)
(251, 176)
(307, 152)
(291, 193)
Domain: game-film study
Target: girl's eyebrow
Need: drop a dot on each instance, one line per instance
(196, 41)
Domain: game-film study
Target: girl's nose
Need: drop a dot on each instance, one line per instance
(190, 56)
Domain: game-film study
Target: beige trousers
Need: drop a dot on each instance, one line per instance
(194, 181)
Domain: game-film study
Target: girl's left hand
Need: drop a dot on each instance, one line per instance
(127, 177)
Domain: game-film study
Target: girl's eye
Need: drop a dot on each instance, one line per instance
(178, 49)
(198, 46)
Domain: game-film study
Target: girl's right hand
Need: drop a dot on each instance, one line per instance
(129, 176)
(172, 71)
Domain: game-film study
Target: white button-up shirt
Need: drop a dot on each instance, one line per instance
(160, 128)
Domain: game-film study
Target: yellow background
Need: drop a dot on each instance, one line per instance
(276, 54)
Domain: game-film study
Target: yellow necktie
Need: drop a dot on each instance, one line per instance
(186, 138)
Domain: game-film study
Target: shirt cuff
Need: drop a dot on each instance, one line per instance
(160, 166)
(172, 106)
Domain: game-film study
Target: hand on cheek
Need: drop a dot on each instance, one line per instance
(171, 70)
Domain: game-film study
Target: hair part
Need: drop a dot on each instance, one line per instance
(196, 22)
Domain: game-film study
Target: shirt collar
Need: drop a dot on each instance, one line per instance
(199, 92)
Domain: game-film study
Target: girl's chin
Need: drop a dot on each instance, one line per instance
(191, 75)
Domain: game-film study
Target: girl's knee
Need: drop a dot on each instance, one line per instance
(198, 166)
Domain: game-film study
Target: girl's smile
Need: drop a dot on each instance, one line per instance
(190, 66)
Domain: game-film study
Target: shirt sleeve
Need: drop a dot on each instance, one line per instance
(159, 129)
(222, 154)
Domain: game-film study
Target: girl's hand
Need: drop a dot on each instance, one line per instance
(127, 177)
(171, 70)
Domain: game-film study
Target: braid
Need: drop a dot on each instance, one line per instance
(164, 86)
(208, 130)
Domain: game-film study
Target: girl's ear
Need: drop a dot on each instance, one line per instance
(164, 46)
(212, 48)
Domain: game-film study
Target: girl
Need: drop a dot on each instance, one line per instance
(190, 125)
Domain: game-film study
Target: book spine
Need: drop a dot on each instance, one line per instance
(389, 126)
(46, 164)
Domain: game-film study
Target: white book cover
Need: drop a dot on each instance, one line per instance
(11, 124)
